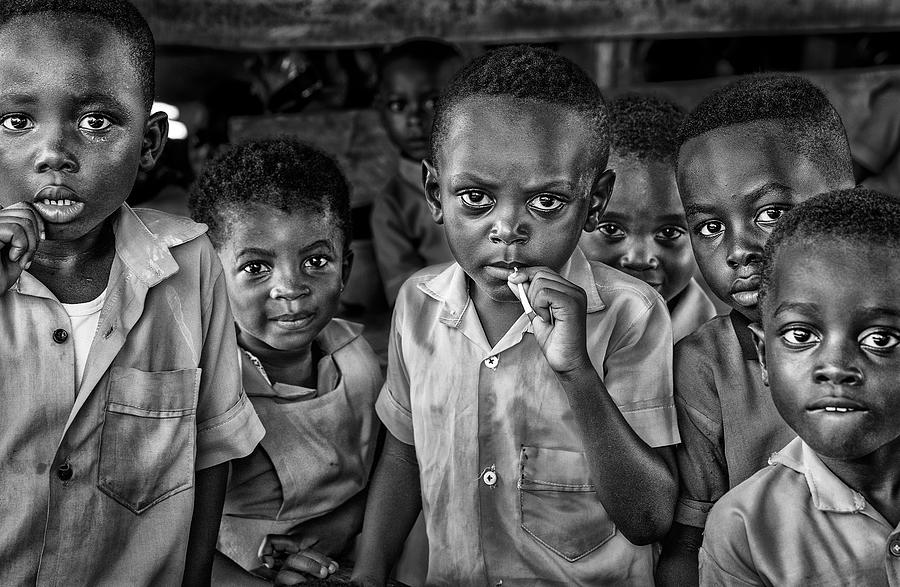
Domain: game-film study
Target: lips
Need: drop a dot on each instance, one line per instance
(294, 321)
(745, 290)
(502, 269)
(58, 204)
(836, 405)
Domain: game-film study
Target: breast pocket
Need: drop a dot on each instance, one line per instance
(559, 506)
(147, 442)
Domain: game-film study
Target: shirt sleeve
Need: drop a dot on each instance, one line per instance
(724, 558)
(878, 138)
(702, 470)
(227, 425)
(396, 252)
(638, 375)
(393, 405)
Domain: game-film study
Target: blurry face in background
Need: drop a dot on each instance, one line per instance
(408, 93)
(643, 231)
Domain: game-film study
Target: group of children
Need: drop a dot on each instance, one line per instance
(183, 403)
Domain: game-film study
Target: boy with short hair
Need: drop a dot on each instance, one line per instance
(123, 399)
(411, 75)
(749, 152)
(827, 508)
(643, 231)
(539, 439)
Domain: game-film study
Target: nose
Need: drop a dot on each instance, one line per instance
(289, 285)
(835, 366)
(415, 114)
(744, 249)
(507, 229)
(54, 153)
(639, 256)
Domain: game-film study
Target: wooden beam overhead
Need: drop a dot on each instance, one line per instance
(272, 24)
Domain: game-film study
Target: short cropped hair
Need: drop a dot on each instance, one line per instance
(812, 125)
(857, 216)
(120, 15)
(645, 127)
(530, 74)
(282, 173)
(428, 51)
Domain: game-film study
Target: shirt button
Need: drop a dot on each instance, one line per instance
(895, 547)
(64, 472)
(60, 336)
(489, 477)
(491, 362)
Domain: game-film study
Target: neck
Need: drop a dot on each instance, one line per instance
(876, 476)
(496, 316)
(293, 367)
(97, 243)
(77, 270)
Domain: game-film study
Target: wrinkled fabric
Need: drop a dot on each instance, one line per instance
(692, 309)
(795, 523)
(478, 415)
(159, 399)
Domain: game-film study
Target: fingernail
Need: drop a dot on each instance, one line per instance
(333, 567)
(27, 265)
(43, 235)
(323, 572)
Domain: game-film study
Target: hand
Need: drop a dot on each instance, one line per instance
(21, 230)
(293, 559)
(560, 316)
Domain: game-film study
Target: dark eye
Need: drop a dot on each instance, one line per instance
(429, 103)
(94, 122)
(396, 105)
(879, 340)
(799, 336)
(16, 122)
(317, 262)
(711, 228)
(768, 217)
(545, 203)
(669, 233)
(475, 200)
(255, 268)
(611, 230)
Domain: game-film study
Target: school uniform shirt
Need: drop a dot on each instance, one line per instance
(506, 491)
(97, 480)
(728, 422)
(876, 144)
(795, 523)
(692, 308)
(405, 237)
(316, 455)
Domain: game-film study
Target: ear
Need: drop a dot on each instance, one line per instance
(600, 194)
(155, 134)
(346, 266)
(432, 191)
(759, 339)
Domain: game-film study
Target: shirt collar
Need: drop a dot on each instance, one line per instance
(829, 493)
(142, 243)
(451, 288)
(337, 334)
(740, 325)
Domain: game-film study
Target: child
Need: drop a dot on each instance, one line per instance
(827, 508)
(749, 152)
(643, 231)
(122, 400)
(876, 143)
(405, 238)
(279, 217)
(531, 434)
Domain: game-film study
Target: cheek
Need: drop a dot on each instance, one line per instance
(247, 303)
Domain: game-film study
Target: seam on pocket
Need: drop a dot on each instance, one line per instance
(141, 412)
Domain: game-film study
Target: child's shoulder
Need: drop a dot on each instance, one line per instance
(616, 288)
(428, 283)
(713, 335)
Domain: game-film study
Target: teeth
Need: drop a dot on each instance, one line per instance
(837, 409)
(49, 202)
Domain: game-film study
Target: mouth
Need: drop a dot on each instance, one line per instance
(503, 269)
(58, 204)
(745, 290)
(836, 405)
(296, 321)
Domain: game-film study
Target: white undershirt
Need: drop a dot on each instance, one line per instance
(85, 317)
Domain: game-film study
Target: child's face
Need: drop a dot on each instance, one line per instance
(407, 97)
(830, 347)
(735, 184)
(643, 231)
(516, 185)
(284, 273)
(73, 126)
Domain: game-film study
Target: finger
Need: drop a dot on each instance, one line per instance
(561, 304)
(288, 577)
(320, 558)
(280, 544)
(15, 236)
(304, 564)
(525, 274)
(31, 212)
(26, 219)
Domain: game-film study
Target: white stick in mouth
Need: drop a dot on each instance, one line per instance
(523, 297)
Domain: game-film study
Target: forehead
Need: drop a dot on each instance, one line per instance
(263, 226)
(45, 53)
(725, 164)
(644, 188)
(507, 135)
(407, 71)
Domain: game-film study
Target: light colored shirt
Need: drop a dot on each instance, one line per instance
(102, 493)
(728, 422)
(795, 523)
(691, 310)
(406, 238)
(506, 490)
(85, 317)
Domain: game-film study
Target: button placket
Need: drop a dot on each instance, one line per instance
(492, 362)
(895, 547)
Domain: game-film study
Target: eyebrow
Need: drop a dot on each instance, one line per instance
(799, 307)
(767, 189)
(18, 98)
(255, 252)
